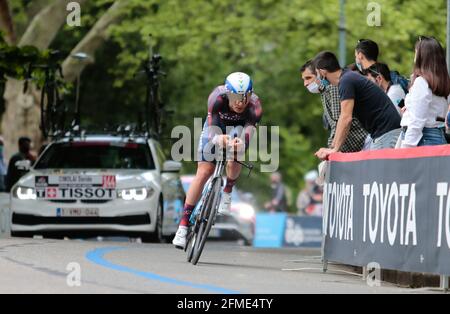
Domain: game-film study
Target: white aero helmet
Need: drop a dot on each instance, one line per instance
(239, 86)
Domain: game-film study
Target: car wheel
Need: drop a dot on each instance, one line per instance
(157, 235)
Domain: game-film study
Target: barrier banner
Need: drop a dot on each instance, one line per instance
(303, 232)
(390, 207)
(269, 230)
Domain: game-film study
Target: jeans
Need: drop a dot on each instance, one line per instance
(387, 140)
(432, 137)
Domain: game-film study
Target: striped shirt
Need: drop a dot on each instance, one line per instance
(332, 109)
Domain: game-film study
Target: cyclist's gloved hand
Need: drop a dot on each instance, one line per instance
(237, 144)
(221, 140)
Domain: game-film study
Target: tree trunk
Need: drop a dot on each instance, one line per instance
(92, 41)
(6, 22)
(46, 25)
(22, 115)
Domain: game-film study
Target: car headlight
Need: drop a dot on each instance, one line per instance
(136, 194)
(246, 211)
(24, 193)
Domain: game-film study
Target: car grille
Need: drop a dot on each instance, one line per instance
(95, 201)
(82, 201)
(64, 201)
(31, 220)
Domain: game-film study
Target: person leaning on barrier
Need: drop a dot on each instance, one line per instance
(362, 99)
(427, 101)
(332, 110)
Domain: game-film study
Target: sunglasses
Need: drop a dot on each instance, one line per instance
(374, 72)
(232, 97)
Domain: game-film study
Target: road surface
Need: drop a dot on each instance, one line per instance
(52, 266)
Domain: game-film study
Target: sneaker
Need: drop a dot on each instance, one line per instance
(180, 238)
(225, 204)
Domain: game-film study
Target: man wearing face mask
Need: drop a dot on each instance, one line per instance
(362, 99)
(366, 56)
(332, 109)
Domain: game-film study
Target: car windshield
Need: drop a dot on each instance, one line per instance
(96, 155)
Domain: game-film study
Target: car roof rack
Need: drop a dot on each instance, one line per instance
(153, 108)
(129, 132)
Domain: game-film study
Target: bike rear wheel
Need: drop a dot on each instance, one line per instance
(190, 244)
(210, 210)
(46, 100)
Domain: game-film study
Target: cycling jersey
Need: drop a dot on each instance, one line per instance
(222, 116)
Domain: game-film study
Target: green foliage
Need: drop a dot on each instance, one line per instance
(14, 60)
(203, 41)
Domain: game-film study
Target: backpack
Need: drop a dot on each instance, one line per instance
(398, 79)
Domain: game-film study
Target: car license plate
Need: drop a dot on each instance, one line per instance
(65, 187)
(77, 212)
(57, 193)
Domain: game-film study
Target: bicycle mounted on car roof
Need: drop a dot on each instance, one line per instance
(54, 110)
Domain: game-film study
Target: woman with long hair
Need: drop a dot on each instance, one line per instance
(427, 101)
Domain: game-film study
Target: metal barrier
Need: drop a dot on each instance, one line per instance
(390, 208)
(4, 215)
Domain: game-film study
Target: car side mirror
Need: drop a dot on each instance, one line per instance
(24, 165)
(172, 166)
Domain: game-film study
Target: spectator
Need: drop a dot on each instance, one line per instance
(279, 200)
(310, 199)
(380, 74)
(353, 67)
(332, 110)
(366, 55)
(2, 167)
(24, 153)
(427, 101)
(360, 98)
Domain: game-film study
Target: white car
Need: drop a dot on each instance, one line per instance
(99, 185)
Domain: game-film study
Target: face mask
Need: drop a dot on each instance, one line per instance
(324, 82)
(359, 66)
(313, 88)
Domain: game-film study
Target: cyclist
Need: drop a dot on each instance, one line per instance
(230, 106)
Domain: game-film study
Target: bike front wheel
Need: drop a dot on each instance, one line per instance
(208, 217)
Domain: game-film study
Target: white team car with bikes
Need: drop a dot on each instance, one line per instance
(99, 185)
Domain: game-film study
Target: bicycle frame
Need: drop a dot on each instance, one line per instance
(218, 172)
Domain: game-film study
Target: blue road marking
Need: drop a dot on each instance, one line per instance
(97, 256)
